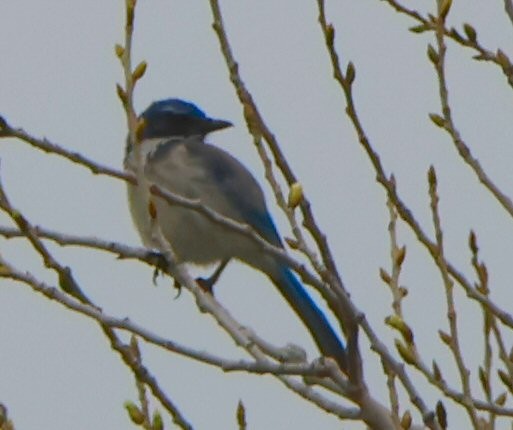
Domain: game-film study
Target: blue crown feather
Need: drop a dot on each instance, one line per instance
(173, 106)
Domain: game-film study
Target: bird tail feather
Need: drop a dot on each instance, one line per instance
(324, 336)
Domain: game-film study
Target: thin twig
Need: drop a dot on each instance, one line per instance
(448, 124)
(403, 210)
(453, 343)
(469, 40)
(77, 300)
(397, 256)
(345, 81)
(508, 7)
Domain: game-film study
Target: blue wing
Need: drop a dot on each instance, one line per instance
(239, 187)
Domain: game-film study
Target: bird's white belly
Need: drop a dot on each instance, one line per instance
(191, 235)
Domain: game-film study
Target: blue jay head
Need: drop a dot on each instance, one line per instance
(175, 117)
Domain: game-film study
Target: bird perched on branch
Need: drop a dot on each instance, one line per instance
(176, 157)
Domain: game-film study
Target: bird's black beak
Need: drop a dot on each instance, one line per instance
(216, 124)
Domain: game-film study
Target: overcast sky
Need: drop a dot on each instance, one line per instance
(57, 79)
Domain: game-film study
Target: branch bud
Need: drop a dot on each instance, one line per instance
(241, 415)
(350, 73)
(330, 34)
(292, 243)
(444, 8)
(503, 59)
(400, 254)
(446, 338)
(405, 352)
(485, 382)
(472, 242)
(437, 119)
(119, 50)
(121, 94)
(432, 176)
(437, 373)
(395, 321)
(432, 54)
(139, 70)
(441, 415)
(505, 378)
(501, 399)
(470, 32)
(385, 277)
(406, 420)
(157, 423)
(139, 129)
(419, 28)
(134, 412)
(295, 195)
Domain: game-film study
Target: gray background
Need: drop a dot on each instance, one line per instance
(57, 79)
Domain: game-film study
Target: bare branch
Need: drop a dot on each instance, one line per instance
(453, 342)
(508, 7)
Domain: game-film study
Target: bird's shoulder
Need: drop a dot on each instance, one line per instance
(239, 186)
(220, 165)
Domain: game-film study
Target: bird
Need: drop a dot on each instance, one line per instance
(176, 158)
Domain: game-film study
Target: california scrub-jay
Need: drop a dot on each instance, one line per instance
(177, 159)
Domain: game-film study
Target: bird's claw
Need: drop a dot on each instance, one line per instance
(178, 287)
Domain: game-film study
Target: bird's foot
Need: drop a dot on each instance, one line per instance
(158, 260)
(160, 264)
(206, 284)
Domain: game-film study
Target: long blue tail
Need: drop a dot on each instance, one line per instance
(327, 341)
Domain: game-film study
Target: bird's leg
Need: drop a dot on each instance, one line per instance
(161, 265)
(208, 283)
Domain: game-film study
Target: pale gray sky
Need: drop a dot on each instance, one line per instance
(57, 79)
